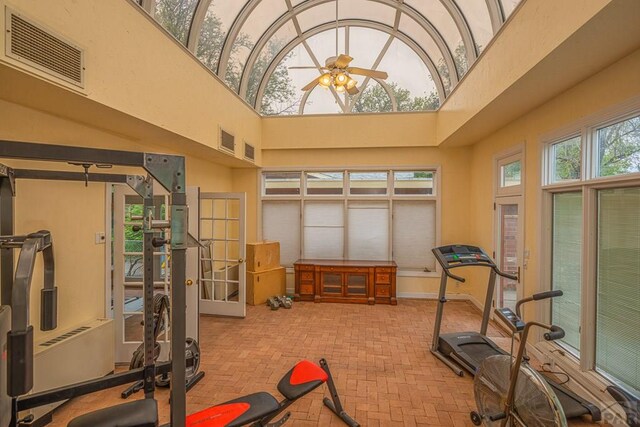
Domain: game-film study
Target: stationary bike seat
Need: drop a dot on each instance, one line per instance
(236, 412)
(139, 413)
(301, 379)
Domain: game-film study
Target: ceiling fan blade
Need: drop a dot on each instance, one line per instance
(313, 83)
(343, 61)
(353, 91)
(368, 73)
(305, 67)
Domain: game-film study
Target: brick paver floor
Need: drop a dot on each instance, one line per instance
(379, 356)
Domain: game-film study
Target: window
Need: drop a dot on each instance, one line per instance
(368, 182)
(352, 214)
(325, 182)
(566, 158)
(618, 285)
(619, 148)
(282, 183)
(566, 265)
(510, 174)
(413, 182)
(594, 242)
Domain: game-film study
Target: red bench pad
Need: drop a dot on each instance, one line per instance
(235, 413)
(301, 379)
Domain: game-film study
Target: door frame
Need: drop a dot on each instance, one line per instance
(510, 195)
(192, 322)
(226, 308)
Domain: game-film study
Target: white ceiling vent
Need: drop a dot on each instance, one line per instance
(227, 141)
(40, 48)
(249, 151)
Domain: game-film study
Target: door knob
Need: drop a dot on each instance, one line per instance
(188, 282)
(240, 261)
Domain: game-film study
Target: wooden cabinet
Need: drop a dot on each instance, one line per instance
(345, 281)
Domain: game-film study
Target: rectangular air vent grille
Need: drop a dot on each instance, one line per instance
(249, 152)
(64, 336)
(33, 45)
(227, 141)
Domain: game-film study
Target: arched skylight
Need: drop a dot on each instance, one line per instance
(425, 47)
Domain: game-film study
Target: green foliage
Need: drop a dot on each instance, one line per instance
(567, 158)
(175, 16)
(376, 99)
(620, 148)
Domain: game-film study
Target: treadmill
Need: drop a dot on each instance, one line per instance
(466, 350)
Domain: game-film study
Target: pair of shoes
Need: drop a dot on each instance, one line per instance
(273, 303)
(284, 301)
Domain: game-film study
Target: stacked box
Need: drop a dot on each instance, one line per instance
(265, 276)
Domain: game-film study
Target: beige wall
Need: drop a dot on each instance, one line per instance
(74, 213)
(132, 67)
(612, 86)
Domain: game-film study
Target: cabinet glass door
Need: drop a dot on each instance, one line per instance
(331, 283)
(356, 284)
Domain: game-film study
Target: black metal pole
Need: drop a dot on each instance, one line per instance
(6, 229)
(178, 308)
(148, 263)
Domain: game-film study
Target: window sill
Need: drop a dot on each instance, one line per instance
(589, 384)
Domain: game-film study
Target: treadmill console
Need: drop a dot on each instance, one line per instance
(509, 317)
(459, 255)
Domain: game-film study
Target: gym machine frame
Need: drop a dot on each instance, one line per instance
(169, 171)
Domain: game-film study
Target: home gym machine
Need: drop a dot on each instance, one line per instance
(532, 402)
(466, 350)
(168, 171)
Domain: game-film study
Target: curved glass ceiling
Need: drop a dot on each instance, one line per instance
(258, 46)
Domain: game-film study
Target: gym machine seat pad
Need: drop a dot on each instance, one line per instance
(301, 379)
(139, 413)
(234, 413)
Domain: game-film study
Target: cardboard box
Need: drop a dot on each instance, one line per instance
(265, 284)
(263, 256)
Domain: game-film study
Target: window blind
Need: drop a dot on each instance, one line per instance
(368, 235)
(566, 265)
(414, 234)
(281, 222)
(618, 284)
(324, 230)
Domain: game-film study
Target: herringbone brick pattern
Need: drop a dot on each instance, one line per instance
(379, 356)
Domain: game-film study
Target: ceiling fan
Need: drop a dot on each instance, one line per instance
(337, 73)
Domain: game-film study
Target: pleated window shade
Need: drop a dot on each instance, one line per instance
(566, 265)
(324, 230)
(281, 222)
(368, 230)
(618, 285)
(414, 234)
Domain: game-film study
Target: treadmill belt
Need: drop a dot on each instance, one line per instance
(475, 353)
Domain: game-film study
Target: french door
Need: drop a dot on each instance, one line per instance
(128, 301)
(222, 254)
(509, 248)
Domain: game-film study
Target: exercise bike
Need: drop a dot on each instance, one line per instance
(509, 392)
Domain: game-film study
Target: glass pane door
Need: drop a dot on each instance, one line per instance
(508, 249)
(222, 236)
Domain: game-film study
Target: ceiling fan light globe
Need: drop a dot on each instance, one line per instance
(340, 88)
(325, 80)
(351, 83)
(341, 79)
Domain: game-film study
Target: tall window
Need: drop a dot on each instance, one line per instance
(566, 272)
(352, 214)
(600, 308)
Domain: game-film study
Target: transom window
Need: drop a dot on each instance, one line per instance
(353, 214)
